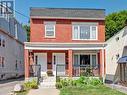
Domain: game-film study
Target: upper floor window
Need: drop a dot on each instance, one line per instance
(2, 41)
(50, 29)
(3, 60)
(85, 31)
(16, 30)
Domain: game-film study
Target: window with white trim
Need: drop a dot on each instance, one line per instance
(50, 30)
(84, 32)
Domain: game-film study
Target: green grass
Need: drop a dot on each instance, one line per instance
(90, 90)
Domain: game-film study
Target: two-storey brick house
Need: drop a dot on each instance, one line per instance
(66, 40)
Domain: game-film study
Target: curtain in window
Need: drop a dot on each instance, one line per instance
(75, 32)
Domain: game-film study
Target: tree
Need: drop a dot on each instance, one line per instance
(115, 22)
(27, 28)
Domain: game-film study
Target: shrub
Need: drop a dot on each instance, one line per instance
(81, 82)
(64, 82)
(95, 81)
(57, 79)
(58, 85)
(31, 84)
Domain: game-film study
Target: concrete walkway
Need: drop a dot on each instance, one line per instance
(44, 91)
(118, 87)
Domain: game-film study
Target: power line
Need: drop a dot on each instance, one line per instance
(5, 6)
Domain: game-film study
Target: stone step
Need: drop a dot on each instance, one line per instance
(47, 85)
(48, 82)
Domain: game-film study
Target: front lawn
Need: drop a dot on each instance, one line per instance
(89, 90)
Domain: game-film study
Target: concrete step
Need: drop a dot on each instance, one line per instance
(48, 82)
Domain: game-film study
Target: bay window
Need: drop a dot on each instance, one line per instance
(84, 31)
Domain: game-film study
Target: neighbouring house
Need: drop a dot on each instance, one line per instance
(12, 38)
(116, 57)
(66, 41)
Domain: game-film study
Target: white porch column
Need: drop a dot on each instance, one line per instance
(103, 65)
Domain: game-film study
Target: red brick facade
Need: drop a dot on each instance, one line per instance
(63, 31)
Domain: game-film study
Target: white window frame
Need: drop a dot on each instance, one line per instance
(53, 24)
(81, 24)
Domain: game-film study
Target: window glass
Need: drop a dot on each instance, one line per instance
(76, 60)
(94, 60)
(50, 30)
(93, 32)
(75, 33)
(84, 32)
(2, 61)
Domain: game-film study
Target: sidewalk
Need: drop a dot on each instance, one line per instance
(117, 87)
(44, 91)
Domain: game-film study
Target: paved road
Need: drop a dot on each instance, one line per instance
(7, 86)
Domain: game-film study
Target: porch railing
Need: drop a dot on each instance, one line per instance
(78, 70)
(85, 70)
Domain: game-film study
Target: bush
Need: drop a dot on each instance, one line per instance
(57, 79)
(95, 81)
(31, 84)
(58, 85)
(81, 82)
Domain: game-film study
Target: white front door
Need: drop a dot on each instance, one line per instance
(59, 61)
(41, 58)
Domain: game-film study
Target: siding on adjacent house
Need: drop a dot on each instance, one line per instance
(116, 46)
(13, 51)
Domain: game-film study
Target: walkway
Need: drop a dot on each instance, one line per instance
(118, 87)
(44, 91)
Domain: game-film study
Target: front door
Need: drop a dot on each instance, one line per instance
(41, 58)
(58, 64)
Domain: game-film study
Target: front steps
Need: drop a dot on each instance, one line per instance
(48, 82)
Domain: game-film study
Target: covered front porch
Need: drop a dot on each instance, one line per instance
(65, 60)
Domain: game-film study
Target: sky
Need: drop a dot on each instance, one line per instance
(23, 6)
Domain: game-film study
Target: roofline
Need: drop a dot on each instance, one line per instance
(57, 43)
(6, 33)
(66, 8)
(80, 18)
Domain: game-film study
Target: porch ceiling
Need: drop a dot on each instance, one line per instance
(63, 46)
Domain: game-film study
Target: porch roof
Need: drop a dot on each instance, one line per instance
(63, 46)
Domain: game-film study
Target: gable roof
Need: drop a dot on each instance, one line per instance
(68, 13)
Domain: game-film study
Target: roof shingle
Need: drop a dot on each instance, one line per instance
(83, 13)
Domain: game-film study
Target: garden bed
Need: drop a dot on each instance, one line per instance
(84, 86)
